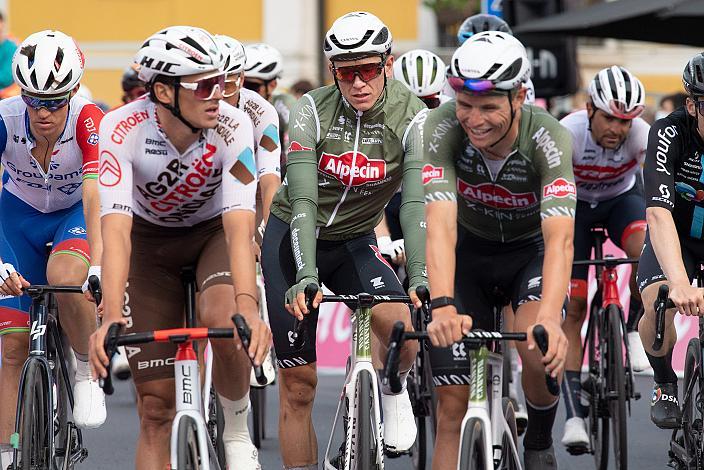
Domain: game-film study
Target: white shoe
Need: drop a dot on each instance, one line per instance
(269, 373)
(575, 433)
(639, 361)
(399, 423)
(242, 455)
(89, 404)
(120, 364)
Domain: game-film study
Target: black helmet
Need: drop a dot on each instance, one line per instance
(130, 79)
(693, 75)
(480, 23)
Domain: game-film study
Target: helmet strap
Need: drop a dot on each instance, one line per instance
(510, 124)
(175, 109)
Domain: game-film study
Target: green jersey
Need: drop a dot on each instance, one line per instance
(343, 168)
(500, 201)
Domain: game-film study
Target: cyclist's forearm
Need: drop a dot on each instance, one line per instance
(268, 184)
(440, 247)
(239, 230)
(116, 229)
(91, 213)
(666, 244)
(412, 211)
(302, 176)
(558, 233)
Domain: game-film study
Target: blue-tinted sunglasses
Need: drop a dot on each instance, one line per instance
(51, 104)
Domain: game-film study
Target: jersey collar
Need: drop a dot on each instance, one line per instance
(372, 113)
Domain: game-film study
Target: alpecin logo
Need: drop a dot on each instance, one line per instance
(352, 169)
(494, 195)
(431, 173)
(559, 188)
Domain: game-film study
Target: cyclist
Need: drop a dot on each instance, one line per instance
(608, 150)
(351, 145)
(509, 165)
(262, 72)
(171, 163)
(48, 144)
(132, 86)
(267, 150)
(673, 247)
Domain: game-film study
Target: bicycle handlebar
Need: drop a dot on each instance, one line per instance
(398, 336)
(662, 303)
(607, 262)
(300, 327)
(38, 290)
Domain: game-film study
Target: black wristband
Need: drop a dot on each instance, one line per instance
(439, 302)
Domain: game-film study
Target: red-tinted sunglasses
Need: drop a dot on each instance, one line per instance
(204, 89)
(366, 72)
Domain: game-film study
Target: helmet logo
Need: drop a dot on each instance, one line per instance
(161, 66)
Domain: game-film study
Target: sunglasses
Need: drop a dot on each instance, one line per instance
(50, 104)
(431, 102)
(619, 109)
(254, 86)
(470, 84)
(204, 89)
(232, 85)
(699, 104)
(366, 72)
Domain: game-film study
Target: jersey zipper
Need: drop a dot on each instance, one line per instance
(358, 114)
(493, 185)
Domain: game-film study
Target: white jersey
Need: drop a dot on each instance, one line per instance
(73, 158)
(265, 121)
(142, 172)
(603, 174)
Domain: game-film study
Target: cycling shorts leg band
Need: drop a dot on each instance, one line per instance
(579, 288)
(634, 227)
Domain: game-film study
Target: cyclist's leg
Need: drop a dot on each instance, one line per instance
(22, 243)
(362, 268)
(68, 265)
(450, 366)
(231, 368)
(297, 372)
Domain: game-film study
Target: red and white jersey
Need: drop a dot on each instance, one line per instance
(603, 174)
(142, 172)
(265, 121)
(73, 158)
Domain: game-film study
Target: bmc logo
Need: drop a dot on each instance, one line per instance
(495, 195)
(559, 188)
(352, 169)
(431, 173)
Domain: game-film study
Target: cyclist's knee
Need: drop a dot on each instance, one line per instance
(14, 350)
(298, 386)
(156, 413)
(66, 270)
(216, 307)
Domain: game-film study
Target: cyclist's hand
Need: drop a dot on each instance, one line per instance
(296, 298)
(13, 282)
(92, 271)
(687, 299)
(260, 339)
(448, 326)
(399, 252)
(554, 359)
(414, 296)
(96, 351)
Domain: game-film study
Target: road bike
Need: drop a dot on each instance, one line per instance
(610, 384)
(359, 409)
(45, 436)
(488, 438)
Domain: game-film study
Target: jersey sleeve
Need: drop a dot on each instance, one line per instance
(302, 181)
(439, 151)
(551, 146)
(412, 212)
(268, 143)
(664, 146)
(3, 137)
(87, 138)
(115, 172)
(239, 180)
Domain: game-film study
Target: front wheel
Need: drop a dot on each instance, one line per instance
(472, 446)
(692, 418)
(365, 448)
(35, 423)
(616, 389)
(187, 451)
(508, 460)
(257, 396)
(598, 410)
(216, 423)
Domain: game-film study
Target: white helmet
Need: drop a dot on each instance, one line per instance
(233, 52)
(492, 56)
(617, 92)
(421, 71)
(263, 62)
(178, 51)
(48, 62)
(356, 35)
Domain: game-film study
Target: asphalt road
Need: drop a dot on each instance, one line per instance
(112, 446)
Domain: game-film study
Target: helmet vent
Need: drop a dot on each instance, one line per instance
(65, 81)
(269, 68)
(194, 45)
(492, 70)
(419, 68)
(513, 71)
(348, 47)
(404, 68)
(382, 37)
(59, 58)
(435, 70)
(19, 76)
(33, 79)
(29, 51)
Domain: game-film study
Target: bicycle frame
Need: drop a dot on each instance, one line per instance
(361, 359)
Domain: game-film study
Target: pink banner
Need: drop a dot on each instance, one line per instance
(334, 328)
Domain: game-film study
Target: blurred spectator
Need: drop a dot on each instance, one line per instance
(669, 103)
(132, 86)
(7, 50)
(301, 87)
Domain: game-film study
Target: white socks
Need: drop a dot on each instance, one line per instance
(235, 413)
(82, 367)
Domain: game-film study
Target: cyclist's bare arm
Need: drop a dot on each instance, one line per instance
(666, 244)
(91, 212)
(268, 184)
